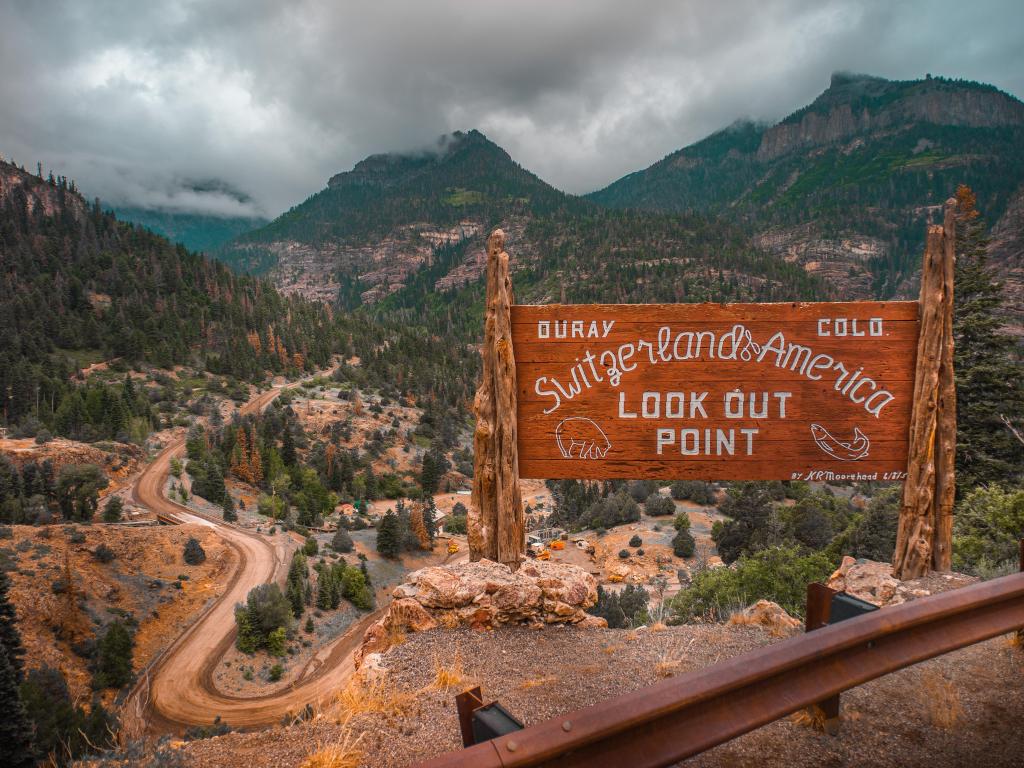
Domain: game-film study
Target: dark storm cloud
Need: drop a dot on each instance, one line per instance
(138, 100)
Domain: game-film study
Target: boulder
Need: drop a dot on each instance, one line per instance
(770, 616)
(484, 595)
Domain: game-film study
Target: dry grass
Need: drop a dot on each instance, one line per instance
(537, 682)
(658, 626)
(1016, 640)
(376, 696)
(942, 700)
(811, 717)
(611, 650)
(448, 620)
(343, 754)
(667, 667)
(396, 633)
(632, 636)
(448, 675)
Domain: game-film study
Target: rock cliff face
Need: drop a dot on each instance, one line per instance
(485, 595)
(862, 105)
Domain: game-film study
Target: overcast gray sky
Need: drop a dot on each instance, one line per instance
(138, 101)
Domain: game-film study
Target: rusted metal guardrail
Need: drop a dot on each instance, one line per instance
(686, 715)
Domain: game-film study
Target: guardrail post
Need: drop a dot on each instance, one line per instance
(819, 606)
(466, 703)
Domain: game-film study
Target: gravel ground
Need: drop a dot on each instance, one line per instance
(960, 710)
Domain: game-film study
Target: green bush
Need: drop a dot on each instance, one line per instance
(628, 608)
(624, 553)
(696, 491)
(113, 510)
(657, 505)
(683, 544)
(987, 528)
(276, 672)
(194, 553)
(277, 642)
(114, 657)
(341, 542)
(779, 574)
(103, 553)
(310, 547)
(636, 541)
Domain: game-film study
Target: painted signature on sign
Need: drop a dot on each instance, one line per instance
(853, 450)
(581, 438)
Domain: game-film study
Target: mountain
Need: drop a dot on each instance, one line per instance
(381, 221)
(406, 232)
(845, 186)
(196, 231)
(78, 284)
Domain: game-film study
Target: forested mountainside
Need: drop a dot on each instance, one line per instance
(845, 185)
(196, 231)
(405, 225)
(77, 284)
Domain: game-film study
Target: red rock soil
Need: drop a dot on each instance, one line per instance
(123, 585)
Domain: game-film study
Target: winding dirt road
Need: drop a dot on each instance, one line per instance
(178, 689)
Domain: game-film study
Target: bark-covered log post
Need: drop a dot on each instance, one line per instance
(924, 536)
(496, 526)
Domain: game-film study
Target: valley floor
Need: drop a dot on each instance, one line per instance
(959, 710)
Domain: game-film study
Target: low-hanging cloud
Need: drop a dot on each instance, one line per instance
(136, 100)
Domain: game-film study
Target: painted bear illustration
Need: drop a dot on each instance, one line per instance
(579, 437)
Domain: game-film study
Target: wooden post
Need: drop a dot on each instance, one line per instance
(924, 536)
(496, 526)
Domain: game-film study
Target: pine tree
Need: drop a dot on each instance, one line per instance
(113, 510)
(288, 448)
(10, 638)
(114, 657)
(988, 379)
(228, 506)
(15, 728)
(389, 536)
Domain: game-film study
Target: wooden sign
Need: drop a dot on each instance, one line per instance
(795, 391)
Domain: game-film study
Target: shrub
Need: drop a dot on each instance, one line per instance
(114, 658)
(640, 552)
(455, 523)
(277, 642)
(623, 553)
(615, 510)
(266, 610)
(641, 489)
(636, 541)
(780, 574)
(683, 544)
(624, 609)
(341, 542)
(310, 547)
(696, 491)
(657, 505)
(276, 672)
(113, 510)
(194, 553)
(987, 529)
(103, 553)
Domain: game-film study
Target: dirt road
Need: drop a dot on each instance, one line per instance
(178, 690)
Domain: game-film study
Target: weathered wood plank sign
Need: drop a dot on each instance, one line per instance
(802, 391)
(715, 391)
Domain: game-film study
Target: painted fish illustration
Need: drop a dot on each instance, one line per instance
(844, 451)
